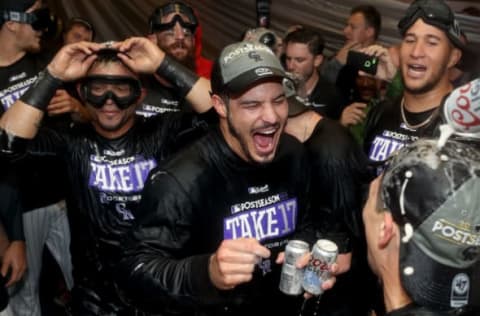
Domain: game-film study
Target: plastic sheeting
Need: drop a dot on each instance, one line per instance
(224, 21)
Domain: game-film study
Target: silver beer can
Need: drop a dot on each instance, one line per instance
(462, 109)
(324, 254)
(291, 277)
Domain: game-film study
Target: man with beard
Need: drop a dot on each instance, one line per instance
(109, 157)
(41, 179)
(431, 46)
(213, 219)
(303, 57)
(173, 27)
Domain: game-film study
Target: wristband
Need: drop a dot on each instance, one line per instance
(41, 91)
(179, 75)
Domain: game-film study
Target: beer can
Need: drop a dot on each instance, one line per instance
(462, 109)
(324, 254)
(291, 277)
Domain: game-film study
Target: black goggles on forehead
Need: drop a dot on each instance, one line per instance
(434, 15)
(159, 27)
(38, 19)
(122, 90)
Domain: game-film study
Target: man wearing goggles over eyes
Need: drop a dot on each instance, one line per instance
(109, 158)
(175, 29)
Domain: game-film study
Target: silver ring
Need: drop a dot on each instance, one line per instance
(109, 44)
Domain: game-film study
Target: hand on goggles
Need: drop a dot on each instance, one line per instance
(122, 90)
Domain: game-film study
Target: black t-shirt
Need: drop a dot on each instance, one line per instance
(42, 178)
(199, 198)
(326, 99)
(160, 99)
(339, 178)
(386, 132)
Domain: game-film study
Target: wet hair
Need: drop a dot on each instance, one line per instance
(108, 55)
(311, 38)
(371, 15)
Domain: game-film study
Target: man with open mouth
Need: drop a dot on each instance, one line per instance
(214, 218)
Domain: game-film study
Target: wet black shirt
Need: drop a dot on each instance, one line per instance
(204, 195)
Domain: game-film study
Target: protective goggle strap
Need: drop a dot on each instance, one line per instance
(20, 17)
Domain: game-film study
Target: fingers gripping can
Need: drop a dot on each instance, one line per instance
(291, 277)
(324, 254)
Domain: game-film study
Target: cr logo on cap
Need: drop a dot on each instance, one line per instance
(255, 56)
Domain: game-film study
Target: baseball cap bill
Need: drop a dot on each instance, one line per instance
(242, 64)
(436, 13)
(433, 196)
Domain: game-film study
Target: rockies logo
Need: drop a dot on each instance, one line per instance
(255, 56)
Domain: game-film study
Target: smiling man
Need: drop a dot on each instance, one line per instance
(109, 157)
(215, 217)
(431, 46)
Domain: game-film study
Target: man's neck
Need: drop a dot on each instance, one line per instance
(367, 43)
(394, 294)
(10, 53)
(306, 89)
(421, 102)
(302, 126)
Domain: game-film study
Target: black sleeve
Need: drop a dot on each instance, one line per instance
(339, 175)
(157, 272)
(10, 206)
(47, 142)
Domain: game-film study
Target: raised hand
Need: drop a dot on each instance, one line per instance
(386, 68)
(353, 114)
(73, 61)
(234, 262)
(140, 54)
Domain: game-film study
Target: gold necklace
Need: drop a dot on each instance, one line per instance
(421, 124)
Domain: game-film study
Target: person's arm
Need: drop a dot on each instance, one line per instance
(62, 102)
(23, 118)
(143, 56)
(157, 269)
(13, 254)
(331, 68)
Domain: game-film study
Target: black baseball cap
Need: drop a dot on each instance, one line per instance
(432, 194)
(436, 13)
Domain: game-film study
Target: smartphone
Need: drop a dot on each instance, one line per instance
(364, 62)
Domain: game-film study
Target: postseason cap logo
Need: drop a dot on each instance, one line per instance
(248, 49)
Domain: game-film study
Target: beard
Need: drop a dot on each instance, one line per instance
(187, 60)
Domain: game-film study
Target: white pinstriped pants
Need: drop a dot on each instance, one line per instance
(42, 226)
